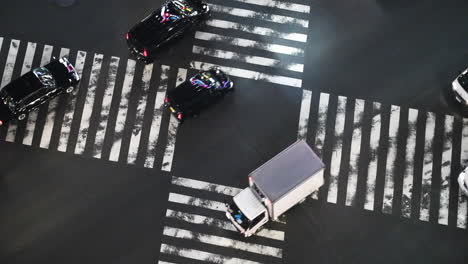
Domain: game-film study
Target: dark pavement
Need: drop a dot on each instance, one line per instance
(62, 208)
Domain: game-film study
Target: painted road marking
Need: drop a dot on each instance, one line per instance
(106, 105)
(89, 103)
(427, 168)
(32, 116)
(70, 108)
(140, 112)
(409, 165)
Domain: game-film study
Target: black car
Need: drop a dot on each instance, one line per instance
(35, 88)
(169, 21)
(201, 90)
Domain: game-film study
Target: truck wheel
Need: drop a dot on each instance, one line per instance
(21, 117)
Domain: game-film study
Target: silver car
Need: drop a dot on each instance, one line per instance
(460, 87)
(463, 181)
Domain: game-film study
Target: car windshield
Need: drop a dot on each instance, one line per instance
(463, 80)
(182, 8)
(45, 77)
(205, 80)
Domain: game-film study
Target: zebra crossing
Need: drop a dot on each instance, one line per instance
(97, 119)
(196, 228)
(386, 158)
(260, 40)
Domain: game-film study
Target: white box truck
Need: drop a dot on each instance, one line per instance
(276, 186)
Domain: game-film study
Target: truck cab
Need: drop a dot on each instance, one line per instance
(246, 212)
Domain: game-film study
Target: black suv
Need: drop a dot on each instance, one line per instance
(35, 88)
(171, 20)
(203, 89)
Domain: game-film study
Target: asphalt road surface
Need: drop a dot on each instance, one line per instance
(106, 175)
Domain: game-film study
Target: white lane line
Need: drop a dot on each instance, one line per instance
(374, 152)
(27, 64)
(122, 113)
(1, 42)
(262, 31)
(304, 114)
(205, 186)
(222, 224)
(445, 172)
(165, 262)
(194, 201)
(106, 105)
(279, 4)
(355, 152)
(263, 16)
(247, 43)
(222, 242)
(10, 63)
(49, 124)
(202, 255)
(427, 168)
(157, 117)
(70, 108)
(462, 199)
(170, 146)
(32, 116)
(139, 115)
(288, 81)
(228, 55)
(407, 193)
(172, 129)
(89, 103)
(321, 122)
(387, 204)
(335, 163)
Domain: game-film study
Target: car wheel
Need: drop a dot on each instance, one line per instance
(22, 116)
(69, 89)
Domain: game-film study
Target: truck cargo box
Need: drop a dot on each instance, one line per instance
(287, 178)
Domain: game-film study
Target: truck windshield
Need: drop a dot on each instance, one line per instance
(463, 80)
(238, 216)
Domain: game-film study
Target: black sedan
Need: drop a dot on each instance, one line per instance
(35, 88)
(200, 91)
(171, 20)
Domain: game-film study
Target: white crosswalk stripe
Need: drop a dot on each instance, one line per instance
(70, 108)
(256, 31)
(427, 168)
(462, 199)
(32, 117)
(141, 107)
(157, 117)
(355, 152)
(172, 130)
(89, 103)
(267, 17)
(88, 115)
(409, 170)
(279, 4)
(211, 227)
(27, 64)
(387, 205)
(337, 150)
(397, 175)
(122, 112)
(49, 125)
(106, 105)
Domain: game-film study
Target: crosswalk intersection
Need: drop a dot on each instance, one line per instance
(95, 122)
(386, 158)
(195, 228)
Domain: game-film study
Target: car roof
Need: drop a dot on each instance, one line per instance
(23, 86)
